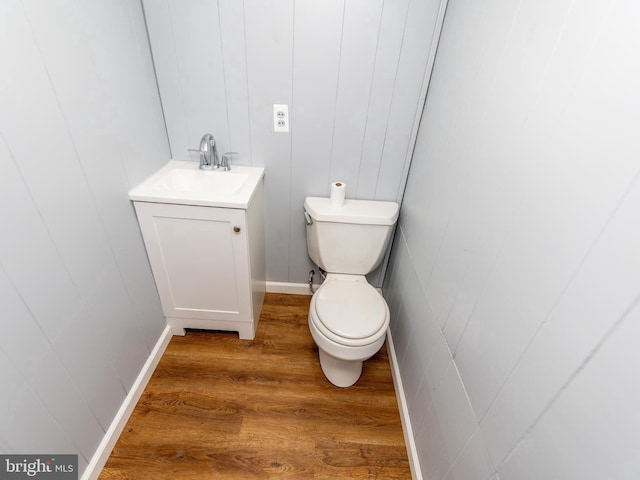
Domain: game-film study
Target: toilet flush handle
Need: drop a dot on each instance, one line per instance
(308, 218)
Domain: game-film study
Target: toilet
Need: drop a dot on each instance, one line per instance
(348, 318)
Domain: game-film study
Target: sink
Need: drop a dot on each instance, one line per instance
(188, 180)
(185, 184)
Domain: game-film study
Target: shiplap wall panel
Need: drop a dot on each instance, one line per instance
(409, 86)
(41, 368)
(32, 261)
(360, 31)
(351, 72)
(605, 445)
(81, 123)
(389, 46)
(139, 144)
(519, 232)
(108, 296)
(23, 413)
(232, 32)
(595, 319)
(269, 36)
(315, 85)
(69, 212)
(37, 195)
(201, 70)
(160, 27)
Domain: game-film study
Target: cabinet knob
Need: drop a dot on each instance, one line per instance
(236, 228)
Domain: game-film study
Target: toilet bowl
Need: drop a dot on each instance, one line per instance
(348, 320)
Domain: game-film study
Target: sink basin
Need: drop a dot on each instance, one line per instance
(186, 181)
(185, 184)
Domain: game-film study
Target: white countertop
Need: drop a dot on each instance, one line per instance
(184, 183)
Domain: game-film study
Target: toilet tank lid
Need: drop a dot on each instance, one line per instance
(365, 212)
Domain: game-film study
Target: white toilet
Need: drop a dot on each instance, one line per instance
(348, 318)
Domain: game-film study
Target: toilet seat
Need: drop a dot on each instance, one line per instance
(350, 313)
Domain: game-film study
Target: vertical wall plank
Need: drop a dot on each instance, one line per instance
(33, 429)
(157, 14)
(357, 58)
(31, 261)
(39, 365)
(107, 128)
(318, 34)
(80, 122)
(26, 220)
(71, 217)
(201, 69)
(389, 43)
(269, 27)
(234, 48)
(520, 222)
(410, 80)
(138, 144)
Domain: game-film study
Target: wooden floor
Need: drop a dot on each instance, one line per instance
(222, 408)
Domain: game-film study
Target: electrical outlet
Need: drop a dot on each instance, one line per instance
(281, 118)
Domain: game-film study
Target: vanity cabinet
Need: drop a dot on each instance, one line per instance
(208, 263)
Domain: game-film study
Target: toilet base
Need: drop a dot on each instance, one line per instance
(342, 373)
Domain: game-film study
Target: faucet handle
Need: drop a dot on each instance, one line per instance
(226, 160)
(203, 154)
(205, 163)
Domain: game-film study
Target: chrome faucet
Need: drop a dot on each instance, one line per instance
(209, 159)
(208, 153)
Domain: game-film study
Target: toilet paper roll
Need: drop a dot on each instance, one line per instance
(338, 191)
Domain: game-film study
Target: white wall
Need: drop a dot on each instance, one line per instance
(515, 276)
(352, 73)
(80, 123)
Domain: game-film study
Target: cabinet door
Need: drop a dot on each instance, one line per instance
(199, 258)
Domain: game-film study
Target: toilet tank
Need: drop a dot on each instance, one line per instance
(351, 239)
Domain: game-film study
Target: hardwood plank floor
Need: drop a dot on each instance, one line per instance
(222, 408)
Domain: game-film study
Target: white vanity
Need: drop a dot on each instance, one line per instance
(204, 234)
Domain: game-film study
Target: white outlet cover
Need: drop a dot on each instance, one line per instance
(280, 118)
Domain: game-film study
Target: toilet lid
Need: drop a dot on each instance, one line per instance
(353, 310)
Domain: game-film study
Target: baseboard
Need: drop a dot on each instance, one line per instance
(292, 288)
(115, 429)
(412, 452)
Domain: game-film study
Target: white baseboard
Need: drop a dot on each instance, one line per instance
(292, 288)
(412, 452)
(115, 429)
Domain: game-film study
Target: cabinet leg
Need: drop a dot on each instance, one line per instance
(175, 329)
(246, 332)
